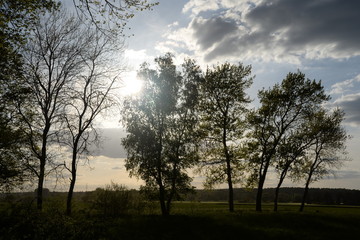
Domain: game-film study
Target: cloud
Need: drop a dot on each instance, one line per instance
(116, 168)
(280, 30)
(345, 86)
(211, 31)
(350, 104)
(347, 174)
(198, 6)
(111, 143)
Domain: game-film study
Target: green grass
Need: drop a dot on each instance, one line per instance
(189, 220)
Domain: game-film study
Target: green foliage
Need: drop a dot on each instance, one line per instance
(112, 201)
(222, 109)
(283, 109)
(161, 122)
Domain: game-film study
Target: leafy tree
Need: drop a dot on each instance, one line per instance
(327, 149)
(282, 108)
(160, 122)
(222, 109)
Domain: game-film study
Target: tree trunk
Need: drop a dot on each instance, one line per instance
(277, 190)
(259, 193)
(164, 210)
(306, 190)
(70, 194)
(262, 178)
(231, 190)
(39, 193)
(42, 159)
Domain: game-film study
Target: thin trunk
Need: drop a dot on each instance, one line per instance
(306, 190)
(39, 194)
(231, 190)
(262, 178)
(259, 194)
(173, 188)
(72, 185)
(228, 169)
(42, 159)
(164, 210)
(70, 194)
(277, 190)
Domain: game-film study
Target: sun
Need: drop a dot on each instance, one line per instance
(131, 85)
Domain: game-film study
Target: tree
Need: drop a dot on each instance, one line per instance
(89, 94)
(160, 122)
(290, 155)
(54, 58)
(222, 109)
(327, 148)
(282, 109)
(16, 19)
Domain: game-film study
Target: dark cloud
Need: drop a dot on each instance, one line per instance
(311, 22)
(210, 31)
(317, 29)
(351, 105)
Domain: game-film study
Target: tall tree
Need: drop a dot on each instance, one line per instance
(16, 19)
(54, 58)
(89, 94)
(328, 147)
(222, 109)
(282, 108)
(160, 123)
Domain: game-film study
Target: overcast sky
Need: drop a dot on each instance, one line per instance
(320, 38)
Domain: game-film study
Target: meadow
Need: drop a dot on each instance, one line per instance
(189, 220)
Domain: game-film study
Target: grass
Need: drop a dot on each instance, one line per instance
(189, 220)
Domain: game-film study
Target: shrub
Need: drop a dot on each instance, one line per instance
(113, 200)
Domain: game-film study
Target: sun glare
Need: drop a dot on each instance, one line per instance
(131, 85)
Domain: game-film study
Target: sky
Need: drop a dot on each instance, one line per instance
(320, 38)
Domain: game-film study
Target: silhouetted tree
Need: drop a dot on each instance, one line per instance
(16, 19)
(89, 94)
(54, 59)
(160, 122)
(282, 108)
(222, 109)
(290, 155)
(328, 147)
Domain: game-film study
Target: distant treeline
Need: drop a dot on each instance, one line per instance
(287, 195)
(328, 196)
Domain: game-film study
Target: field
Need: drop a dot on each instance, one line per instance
(189, 220)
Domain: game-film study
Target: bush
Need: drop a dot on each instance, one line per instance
(113, 200)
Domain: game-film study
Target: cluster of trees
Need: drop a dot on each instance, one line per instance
(187, 119)
(55, 79)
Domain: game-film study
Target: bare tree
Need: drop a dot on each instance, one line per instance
(89, 95)
(53, 58)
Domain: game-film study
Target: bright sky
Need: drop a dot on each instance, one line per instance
(320, 38)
